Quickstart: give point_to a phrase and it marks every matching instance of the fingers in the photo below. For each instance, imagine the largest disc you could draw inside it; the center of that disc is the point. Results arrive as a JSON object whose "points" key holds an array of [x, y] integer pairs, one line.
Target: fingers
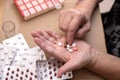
{"points": [[39, 33], [83, 30], [35, 34], [48, 37], [58, 38], [73, 28], [40, 43], [66, 22], [62, 16], [70, 22], [44, 44], [52, 34], [43, 40]]}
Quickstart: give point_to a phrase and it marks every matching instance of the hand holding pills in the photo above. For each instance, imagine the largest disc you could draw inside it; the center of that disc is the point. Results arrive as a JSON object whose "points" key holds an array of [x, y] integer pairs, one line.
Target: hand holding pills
{"points": [[54, 45], [68, 47]]}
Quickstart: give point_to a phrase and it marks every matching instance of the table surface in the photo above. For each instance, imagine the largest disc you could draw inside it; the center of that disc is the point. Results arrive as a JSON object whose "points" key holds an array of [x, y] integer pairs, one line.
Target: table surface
{"points": [[95, 37]]}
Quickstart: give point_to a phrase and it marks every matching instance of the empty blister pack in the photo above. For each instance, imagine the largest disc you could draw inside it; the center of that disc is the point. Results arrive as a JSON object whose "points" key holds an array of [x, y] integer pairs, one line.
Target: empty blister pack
{"points": [[19, 73], [32, 8], [47, 70], [29, 58], [7, 55]]}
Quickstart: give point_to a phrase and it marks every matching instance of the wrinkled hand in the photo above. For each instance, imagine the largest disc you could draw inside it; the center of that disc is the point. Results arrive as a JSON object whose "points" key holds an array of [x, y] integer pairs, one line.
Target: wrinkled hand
{"points": [[48, 42], [74, 22]]}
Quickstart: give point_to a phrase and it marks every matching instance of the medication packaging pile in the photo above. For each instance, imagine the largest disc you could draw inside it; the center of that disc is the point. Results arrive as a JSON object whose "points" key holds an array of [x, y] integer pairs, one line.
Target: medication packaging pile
{"points": [[20, 62], [31, 8]]}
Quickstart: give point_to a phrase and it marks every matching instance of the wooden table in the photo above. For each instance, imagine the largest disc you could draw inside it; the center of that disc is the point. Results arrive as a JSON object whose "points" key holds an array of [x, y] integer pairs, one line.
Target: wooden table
{"points": [[95, 37]]}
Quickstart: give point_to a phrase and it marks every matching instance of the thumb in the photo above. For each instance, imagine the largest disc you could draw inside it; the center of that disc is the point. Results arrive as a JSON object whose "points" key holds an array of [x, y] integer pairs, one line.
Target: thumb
{"points": [[65, 68]]}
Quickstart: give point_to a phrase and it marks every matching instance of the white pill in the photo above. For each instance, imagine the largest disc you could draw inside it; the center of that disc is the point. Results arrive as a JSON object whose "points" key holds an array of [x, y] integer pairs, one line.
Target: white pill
{"points": [[74, 45], [68, 46], [59, 44], [70, 50], [61, 1]]}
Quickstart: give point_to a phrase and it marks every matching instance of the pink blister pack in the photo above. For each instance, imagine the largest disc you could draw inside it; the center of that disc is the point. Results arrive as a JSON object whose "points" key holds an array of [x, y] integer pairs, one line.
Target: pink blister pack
{"points": [[31, 8]]}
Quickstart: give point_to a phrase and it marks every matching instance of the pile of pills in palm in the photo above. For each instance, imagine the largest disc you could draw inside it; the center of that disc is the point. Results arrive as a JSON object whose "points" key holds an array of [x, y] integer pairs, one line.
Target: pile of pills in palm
{"points": [[71, 48]]}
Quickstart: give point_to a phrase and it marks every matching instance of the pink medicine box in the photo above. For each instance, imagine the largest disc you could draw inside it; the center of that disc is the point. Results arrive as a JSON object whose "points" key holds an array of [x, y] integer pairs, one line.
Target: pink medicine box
{"points": [[31, 8]]}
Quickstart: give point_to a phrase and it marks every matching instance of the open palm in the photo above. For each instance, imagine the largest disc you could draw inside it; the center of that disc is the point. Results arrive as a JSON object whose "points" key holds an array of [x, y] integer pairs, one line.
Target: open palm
{"points": [[48, 42]]}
